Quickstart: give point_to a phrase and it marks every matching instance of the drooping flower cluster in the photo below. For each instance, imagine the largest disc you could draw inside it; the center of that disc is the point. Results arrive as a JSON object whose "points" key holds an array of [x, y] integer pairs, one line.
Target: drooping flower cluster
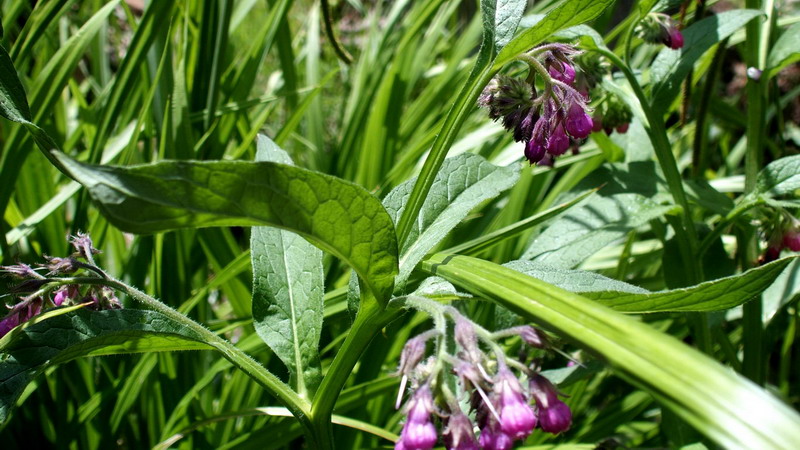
{"points": [[488, 397], [548, 122], [611, 113], [658, 28], [58, 287]]}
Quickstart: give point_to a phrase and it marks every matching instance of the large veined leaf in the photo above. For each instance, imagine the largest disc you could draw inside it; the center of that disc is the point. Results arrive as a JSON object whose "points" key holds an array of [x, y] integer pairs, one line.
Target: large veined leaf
{"points": [[724, 406], [336, 215], [670, 67], [715, 295], [463, 182], [287, 292], [58, 338], [587, 228]]}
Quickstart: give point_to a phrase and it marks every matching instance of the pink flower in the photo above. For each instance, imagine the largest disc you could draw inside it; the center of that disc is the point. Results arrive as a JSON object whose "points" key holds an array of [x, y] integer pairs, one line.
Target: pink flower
{"points": [[458, 435], [673, 38], [517, 419], [554, 415], [418, 433], [579, 124]]}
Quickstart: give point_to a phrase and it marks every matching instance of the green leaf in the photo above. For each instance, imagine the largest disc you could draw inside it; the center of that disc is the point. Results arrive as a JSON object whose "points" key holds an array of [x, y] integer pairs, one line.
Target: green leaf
{"points": [[337, 216], [287, 292], [64, 337], [566, 14], [13, 101], [785, 51], [715, 295], [463, 182], [671, 67], [589, 227], [506, 19], [587, 36], [726, 407], [780, 177]]}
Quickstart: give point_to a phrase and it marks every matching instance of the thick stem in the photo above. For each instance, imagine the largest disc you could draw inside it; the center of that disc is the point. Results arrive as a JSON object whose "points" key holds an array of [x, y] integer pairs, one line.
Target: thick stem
{"points": [[370, 319]]}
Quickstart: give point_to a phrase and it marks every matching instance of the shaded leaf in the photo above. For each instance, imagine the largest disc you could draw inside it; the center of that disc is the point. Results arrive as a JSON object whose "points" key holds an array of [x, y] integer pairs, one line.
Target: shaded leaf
{"points": [[671, 67], [335, 215]]}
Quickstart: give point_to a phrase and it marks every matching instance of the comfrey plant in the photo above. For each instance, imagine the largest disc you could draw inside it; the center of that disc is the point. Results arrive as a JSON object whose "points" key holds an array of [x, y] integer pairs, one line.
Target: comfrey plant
{"points": [[60, 286], [659, 28], [547, 122], [468, 383]]}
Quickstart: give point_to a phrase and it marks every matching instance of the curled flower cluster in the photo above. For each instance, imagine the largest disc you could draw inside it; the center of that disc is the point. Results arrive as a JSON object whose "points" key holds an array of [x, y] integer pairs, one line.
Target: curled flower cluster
{"points": [[502, 410], [550, 122], [658, 28], [611, 113], [37, 292]]}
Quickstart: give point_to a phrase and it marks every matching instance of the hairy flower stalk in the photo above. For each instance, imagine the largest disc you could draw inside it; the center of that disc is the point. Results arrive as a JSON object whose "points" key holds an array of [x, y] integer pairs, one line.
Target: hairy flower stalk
{"points": [[484, 377], [548, 122], [57, 289]]}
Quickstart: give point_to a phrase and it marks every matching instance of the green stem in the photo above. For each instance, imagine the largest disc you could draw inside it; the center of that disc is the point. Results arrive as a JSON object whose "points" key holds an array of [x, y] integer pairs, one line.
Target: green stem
{"points": [[299, 407], [658, 135], [753, 328], [337, 47], [370, 319]]}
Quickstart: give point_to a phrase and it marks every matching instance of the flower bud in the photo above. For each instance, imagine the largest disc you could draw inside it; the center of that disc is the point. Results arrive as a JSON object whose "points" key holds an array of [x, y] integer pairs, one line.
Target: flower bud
{"points": [[459, 435], [554, 415], [418, 433], [558, 142], [791, 240], [579, 124]]}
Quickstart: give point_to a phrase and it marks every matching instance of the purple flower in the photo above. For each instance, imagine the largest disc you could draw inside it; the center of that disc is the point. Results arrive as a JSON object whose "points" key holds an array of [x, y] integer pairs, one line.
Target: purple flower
{"points": [[673, 38], [493, 438], [20, 313], [84, 248], [418, 433], [561, 71], [459, 435], [517, 418], [579, 124], [554, 415], [532, 336], [534, 151], [60, 266], [65, 293], [558, 142], [20, 270], [791, 239]]}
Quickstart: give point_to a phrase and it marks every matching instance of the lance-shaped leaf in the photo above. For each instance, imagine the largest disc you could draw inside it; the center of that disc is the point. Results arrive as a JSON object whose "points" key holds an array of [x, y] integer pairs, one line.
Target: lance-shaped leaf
{"points": [[463, 182], [715, 295], [335, 215], [63, 337], [785, 51], [287, 292], [13, 101], [726, 407], [507, 15]]}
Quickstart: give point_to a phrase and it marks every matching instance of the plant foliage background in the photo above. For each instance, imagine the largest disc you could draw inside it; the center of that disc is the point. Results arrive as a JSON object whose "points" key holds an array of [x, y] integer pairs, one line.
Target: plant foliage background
{"points": [[298, 179]]}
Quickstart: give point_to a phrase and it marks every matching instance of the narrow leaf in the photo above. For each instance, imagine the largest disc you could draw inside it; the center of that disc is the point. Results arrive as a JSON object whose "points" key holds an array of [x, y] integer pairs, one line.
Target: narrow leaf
{"points": [[337, 216], [13, 101], [727, 408], [715, 295], [464, 182], [670, 67], [287, 292], [64, 337]]}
